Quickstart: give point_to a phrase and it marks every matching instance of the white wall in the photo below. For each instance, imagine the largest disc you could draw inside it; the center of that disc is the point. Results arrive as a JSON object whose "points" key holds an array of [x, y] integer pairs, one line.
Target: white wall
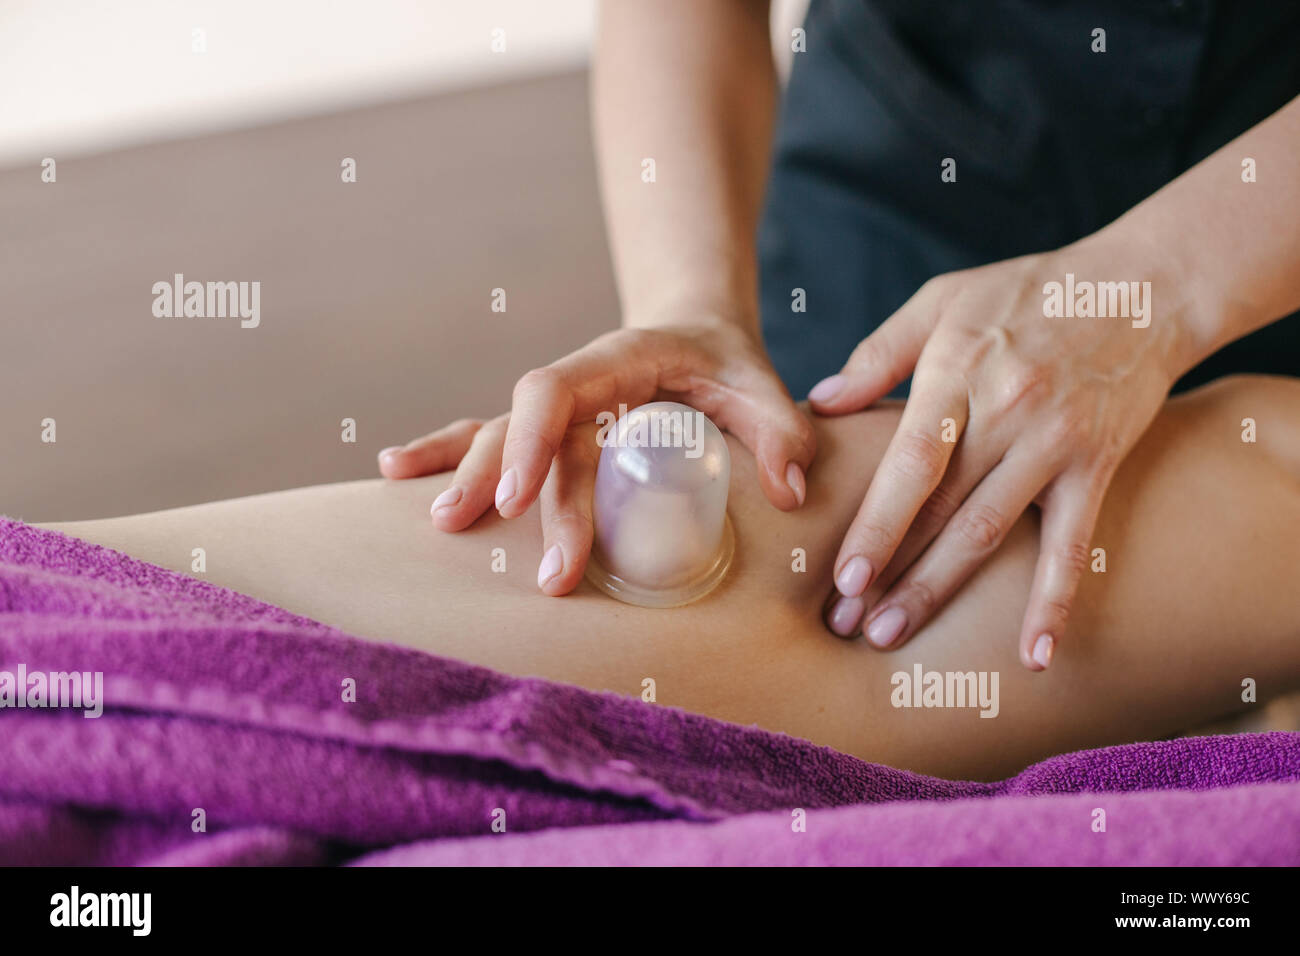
{"points": [[80, 76]]}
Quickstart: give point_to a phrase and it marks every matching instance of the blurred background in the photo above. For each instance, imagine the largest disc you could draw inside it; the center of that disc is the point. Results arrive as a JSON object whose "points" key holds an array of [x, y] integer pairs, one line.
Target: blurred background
{"points": [[206, 138]]}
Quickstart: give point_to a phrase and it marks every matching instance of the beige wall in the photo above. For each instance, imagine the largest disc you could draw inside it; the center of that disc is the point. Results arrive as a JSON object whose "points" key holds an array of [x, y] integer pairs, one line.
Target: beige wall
{"points": [[375, 296], [81, 76], [474, 172]]}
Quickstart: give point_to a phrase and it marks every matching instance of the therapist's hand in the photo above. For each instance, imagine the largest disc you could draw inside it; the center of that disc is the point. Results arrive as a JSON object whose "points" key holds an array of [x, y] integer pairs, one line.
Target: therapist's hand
{"points": [[1042, 411], [508, 462]]}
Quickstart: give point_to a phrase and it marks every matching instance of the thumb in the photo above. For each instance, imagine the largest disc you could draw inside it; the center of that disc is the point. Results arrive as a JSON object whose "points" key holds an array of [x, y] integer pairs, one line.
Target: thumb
{"points": [[881, 361]]}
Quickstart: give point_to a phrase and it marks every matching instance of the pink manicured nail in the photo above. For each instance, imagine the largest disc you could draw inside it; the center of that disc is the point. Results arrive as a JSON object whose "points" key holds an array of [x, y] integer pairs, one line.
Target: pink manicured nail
{"points": [[552, 564], [1043, 650], [794, 478], [855, 576], [884, 630], [448, 498], [389, 452], [506, 489], [827, 389], [845, 615]]}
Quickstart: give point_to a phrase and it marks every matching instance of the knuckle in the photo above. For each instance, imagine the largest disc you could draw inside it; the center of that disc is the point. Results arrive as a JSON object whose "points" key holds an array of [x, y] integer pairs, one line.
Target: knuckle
{"points": [[1023, 384], [920, 598], [1073, 559], [803, 435], [936, 290], [1097, 482], [537, 380], [920, 456], [1056, 607], [872, 538], [869, 353], [1105, 463], [981, 527], [951, 355], [1104, 467], [572, 523], [527, 434], [1070, 431], [941, 505], [492, 431]]}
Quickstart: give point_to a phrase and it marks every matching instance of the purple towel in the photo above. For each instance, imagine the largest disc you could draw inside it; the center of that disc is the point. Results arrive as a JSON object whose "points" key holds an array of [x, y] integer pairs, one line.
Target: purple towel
{"points": [[223, 709]]}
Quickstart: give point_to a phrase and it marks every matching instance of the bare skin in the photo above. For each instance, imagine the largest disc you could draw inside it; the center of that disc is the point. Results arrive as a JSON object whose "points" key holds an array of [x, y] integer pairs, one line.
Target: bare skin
{"points": [[1045, 410], [1199, 593]]}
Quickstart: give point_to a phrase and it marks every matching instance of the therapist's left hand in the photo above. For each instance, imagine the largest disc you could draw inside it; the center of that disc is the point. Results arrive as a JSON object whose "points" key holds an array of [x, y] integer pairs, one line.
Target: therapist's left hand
{"points": [[1007, 408]]}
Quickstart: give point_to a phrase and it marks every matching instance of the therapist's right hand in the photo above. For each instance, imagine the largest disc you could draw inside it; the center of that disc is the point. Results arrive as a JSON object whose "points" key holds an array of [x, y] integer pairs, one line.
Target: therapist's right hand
{"points": [[532, 451]]}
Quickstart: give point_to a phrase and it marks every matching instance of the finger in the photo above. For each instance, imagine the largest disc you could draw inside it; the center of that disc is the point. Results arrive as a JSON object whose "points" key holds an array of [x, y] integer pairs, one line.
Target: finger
{"points": [[759, 411], [574, 389], [976, 531], [973, 458], [434, 453], [566, 500], [881, 361], [1069, 517], [471, 488], [843, 615], [912, 467]]}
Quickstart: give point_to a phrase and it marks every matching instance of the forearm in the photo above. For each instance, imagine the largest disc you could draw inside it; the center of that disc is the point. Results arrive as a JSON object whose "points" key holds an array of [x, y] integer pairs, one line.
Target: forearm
{"points": [[692, 87], [1231, 246]]}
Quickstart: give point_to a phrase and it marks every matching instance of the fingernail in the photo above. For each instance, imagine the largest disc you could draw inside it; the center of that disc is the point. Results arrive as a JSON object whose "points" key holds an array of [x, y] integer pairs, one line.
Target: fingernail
{"points": [[448, 498], [552, 564], [854, 577], [1043, 650], [845, 615], [794, 478], [506, 489], [389, 452], [884, 630], [827, 389]]}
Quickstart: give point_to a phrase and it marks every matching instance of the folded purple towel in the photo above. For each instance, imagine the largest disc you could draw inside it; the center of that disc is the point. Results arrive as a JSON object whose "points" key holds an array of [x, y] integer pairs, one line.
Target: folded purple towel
{"points": [[216, 702], [1256, 825]]}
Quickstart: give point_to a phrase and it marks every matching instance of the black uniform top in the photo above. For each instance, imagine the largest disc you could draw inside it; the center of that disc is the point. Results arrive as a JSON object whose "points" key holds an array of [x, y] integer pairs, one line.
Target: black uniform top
{"points": [[1051, 141]]}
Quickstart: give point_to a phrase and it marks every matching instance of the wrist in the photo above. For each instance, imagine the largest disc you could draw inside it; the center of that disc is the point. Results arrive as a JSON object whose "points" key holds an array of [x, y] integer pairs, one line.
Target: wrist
{"points": [[1184, 316], [729, 313]]}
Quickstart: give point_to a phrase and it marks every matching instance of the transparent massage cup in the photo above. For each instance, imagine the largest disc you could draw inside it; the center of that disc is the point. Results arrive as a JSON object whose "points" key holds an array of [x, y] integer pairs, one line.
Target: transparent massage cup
{"points": [[662, 534]]}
